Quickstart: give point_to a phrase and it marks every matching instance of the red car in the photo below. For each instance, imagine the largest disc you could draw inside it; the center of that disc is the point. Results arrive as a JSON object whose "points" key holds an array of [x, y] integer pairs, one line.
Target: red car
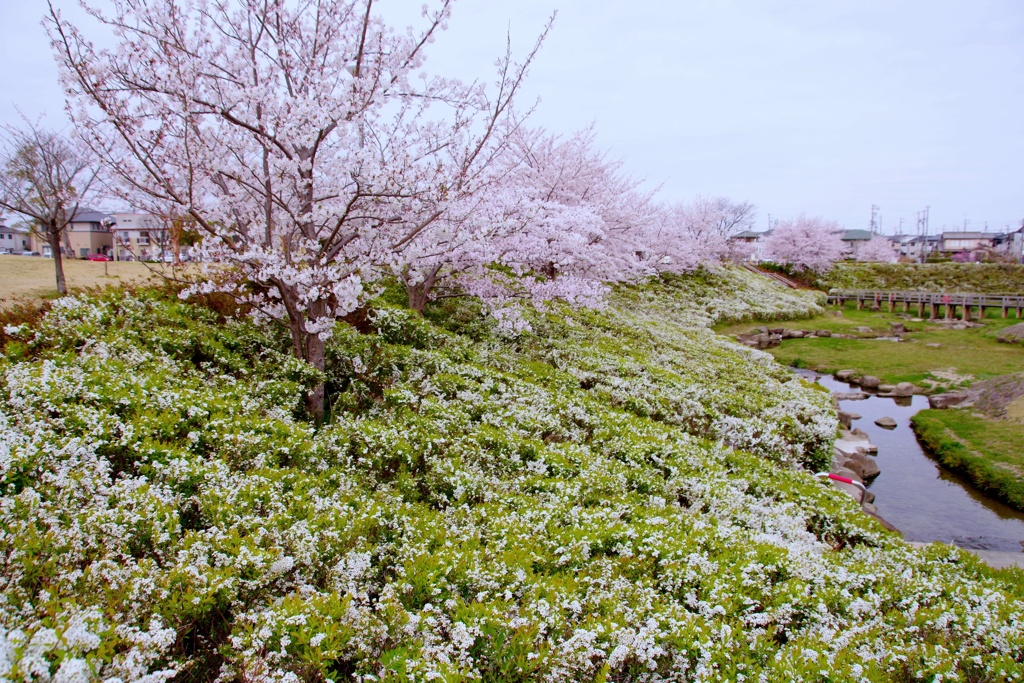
{"points": [[99, 257]]}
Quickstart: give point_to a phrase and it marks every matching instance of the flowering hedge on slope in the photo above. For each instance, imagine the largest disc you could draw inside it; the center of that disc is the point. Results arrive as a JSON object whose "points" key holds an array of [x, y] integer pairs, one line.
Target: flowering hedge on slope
{"points": [[616, 496]]}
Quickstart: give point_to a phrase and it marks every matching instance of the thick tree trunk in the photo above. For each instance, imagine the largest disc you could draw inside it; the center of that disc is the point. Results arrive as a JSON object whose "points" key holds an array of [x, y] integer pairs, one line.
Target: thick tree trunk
{"points": [[305, 346], [419, 293], [53, 237], [315, 355]]}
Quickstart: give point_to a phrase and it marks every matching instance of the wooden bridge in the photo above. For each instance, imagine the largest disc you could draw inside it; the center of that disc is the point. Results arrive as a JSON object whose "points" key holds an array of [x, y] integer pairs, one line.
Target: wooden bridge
{"points": [[932, 302]]}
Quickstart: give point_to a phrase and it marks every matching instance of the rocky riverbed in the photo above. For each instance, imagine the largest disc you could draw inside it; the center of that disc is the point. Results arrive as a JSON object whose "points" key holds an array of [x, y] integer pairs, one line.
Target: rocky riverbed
{"points": [[906, 488]]}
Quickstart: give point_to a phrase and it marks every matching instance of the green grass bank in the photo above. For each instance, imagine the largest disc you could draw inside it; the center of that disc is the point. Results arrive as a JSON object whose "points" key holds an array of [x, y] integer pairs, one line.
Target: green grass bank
{"points": [[988, 451], [933, 355], [973, 278]]}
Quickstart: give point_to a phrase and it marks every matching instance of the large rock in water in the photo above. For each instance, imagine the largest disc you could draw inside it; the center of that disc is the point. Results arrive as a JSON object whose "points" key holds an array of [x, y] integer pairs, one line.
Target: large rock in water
{"points": [[1014, 334], [869, 382], [905, 389], [886, 422]]}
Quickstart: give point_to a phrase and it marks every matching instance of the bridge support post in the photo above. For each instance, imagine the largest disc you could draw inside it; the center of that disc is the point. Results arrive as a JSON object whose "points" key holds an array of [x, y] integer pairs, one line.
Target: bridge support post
{"points": [[920, 309], [967, 310]]}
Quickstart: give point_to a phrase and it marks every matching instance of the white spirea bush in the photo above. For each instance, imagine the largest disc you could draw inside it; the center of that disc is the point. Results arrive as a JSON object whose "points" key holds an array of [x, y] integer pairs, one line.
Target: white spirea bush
{"points": [[618, 495]]}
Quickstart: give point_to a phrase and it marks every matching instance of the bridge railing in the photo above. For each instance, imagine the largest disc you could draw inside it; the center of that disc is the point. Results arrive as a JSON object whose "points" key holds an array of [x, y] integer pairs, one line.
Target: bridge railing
{"points": [[947, 302]]}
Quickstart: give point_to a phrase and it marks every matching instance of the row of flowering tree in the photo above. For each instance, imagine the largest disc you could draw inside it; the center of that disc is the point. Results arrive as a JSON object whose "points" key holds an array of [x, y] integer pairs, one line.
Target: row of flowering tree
{"points": [[814, 244], [315, 154]]}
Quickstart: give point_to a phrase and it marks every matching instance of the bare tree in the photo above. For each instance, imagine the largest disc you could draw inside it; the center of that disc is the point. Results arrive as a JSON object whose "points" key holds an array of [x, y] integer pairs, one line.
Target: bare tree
{"points": [[44, 178]]}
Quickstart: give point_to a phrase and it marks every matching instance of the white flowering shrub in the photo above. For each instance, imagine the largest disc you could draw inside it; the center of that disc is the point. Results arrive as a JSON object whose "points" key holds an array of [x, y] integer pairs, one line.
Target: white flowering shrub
{"points": [[616, 496]]}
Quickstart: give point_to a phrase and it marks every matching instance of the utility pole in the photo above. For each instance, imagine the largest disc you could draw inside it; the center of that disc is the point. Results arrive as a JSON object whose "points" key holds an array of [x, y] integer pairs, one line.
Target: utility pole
{"points": [[922, 230]]}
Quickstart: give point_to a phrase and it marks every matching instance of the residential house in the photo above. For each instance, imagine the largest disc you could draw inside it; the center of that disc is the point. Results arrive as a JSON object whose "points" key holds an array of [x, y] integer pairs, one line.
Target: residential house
{"points": [[88, 233], [752, 243], [965, 243], [13, 240], [902, 244], [853, 239], [140, 236], [1010, 245], [919, 248]]}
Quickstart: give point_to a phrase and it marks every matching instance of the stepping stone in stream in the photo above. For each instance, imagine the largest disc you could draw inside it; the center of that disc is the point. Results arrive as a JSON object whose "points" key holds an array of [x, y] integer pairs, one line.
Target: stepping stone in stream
{"points": [[886, 423]]}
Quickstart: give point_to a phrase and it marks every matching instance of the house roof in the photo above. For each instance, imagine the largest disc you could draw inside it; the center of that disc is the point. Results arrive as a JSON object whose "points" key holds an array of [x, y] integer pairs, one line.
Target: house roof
{"points": [[855, 235], [967, 235], [747, 235], [91, 216]]}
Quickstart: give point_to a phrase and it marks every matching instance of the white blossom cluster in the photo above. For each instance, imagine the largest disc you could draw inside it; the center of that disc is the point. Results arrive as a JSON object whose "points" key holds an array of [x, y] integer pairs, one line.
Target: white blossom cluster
{"points": [[616, 496]]}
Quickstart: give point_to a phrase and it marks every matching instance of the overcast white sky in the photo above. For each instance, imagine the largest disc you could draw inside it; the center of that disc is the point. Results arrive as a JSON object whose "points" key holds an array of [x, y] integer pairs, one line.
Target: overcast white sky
{"points": [[817, 106]]}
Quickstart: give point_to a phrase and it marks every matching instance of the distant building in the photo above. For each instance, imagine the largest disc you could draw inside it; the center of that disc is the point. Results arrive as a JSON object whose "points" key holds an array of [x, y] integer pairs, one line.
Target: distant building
{"points": [[920, 247], [902, 243], [88, 233], [965, 242], [13, 240], [853, 239], [1010, 245], [140, 236], [753, 243]]}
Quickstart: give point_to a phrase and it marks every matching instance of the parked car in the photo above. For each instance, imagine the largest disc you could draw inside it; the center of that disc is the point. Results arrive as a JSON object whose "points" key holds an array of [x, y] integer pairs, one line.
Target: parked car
{"points": [[99, 257], [29, 253], [4, 250]]}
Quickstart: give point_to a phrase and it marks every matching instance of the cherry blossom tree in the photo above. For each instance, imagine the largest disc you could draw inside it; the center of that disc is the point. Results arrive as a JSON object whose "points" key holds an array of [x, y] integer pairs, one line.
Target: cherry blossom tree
{"points": [[560, 221], [806, 243], [878, 249], [584, 218], [303, 140], [45, 178]]}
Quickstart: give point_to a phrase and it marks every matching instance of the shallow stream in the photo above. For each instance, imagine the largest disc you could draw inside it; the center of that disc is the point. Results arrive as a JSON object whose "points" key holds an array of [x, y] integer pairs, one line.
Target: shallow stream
{"points": [[916, 494]]}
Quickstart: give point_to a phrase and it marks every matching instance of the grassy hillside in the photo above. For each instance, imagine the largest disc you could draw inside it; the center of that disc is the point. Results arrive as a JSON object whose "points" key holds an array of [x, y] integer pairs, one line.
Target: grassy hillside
{"points": [[615, 496], [974, 278]]}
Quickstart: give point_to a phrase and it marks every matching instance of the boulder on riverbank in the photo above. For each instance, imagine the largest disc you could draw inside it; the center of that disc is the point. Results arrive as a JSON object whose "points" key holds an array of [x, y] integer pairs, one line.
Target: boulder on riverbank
{"points": [[992, 396], [1014, 334], [948, 400]]}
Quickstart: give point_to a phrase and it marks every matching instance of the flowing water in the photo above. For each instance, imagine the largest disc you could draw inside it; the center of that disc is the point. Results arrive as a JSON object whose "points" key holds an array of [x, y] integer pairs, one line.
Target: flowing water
{"points": [[916, 494]]}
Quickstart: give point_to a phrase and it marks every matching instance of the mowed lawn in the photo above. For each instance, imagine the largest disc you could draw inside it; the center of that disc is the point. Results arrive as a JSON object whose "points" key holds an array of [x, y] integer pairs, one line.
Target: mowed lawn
{"points": [[931, 355], [34, 278]]}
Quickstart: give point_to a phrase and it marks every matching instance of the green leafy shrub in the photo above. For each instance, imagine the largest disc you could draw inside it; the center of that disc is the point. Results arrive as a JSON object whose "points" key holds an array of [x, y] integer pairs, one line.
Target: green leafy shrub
{"points": [[618, 495]]}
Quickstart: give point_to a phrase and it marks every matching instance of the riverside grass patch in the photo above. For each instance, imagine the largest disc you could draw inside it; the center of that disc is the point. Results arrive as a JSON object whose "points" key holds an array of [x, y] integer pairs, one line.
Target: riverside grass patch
{"points": [[985, 449], [929, 355], [615, 496]]}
